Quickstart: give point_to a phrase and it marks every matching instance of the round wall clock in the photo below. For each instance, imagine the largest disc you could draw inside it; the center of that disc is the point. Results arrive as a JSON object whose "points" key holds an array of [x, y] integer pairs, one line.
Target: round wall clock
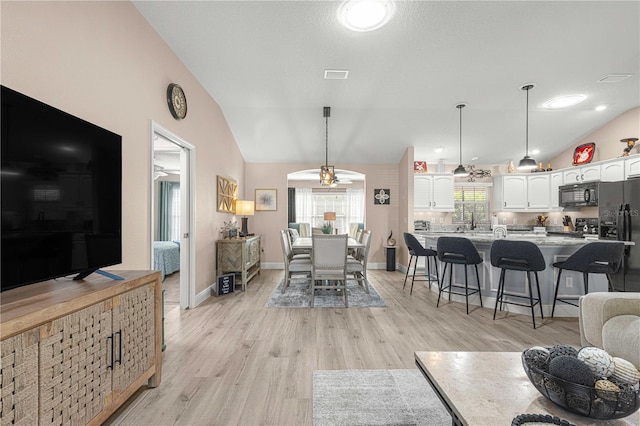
{"points": [[177, 101]]}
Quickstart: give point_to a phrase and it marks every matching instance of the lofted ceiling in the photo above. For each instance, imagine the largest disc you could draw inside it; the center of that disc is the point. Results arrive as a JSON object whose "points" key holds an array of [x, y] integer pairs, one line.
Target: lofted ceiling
{"points": [[264, 61]]}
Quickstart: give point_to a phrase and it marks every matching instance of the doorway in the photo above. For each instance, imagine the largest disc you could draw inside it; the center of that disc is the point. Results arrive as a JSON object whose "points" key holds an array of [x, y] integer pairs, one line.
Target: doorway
{"points": [[172, 209]]}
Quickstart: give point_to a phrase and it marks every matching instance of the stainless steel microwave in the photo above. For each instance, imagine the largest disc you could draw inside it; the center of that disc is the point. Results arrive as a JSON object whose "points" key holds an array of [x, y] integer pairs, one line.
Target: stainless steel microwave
{"points": [[579, 194]]}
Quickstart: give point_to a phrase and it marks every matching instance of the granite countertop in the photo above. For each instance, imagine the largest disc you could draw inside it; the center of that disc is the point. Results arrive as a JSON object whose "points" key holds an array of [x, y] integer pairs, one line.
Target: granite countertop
{"points": [[487, 237]]}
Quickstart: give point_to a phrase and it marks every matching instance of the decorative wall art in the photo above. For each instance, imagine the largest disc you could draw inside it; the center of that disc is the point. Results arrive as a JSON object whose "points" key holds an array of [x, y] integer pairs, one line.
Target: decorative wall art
{"points": [[583, 154], [419, 167], [266, 199], [227, 194], [381, 196]]}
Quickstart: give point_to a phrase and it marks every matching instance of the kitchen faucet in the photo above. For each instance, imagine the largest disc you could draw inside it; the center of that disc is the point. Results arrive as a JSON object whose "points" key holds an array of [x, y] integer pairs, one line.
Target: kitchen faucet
{"points": [[473, 224]]}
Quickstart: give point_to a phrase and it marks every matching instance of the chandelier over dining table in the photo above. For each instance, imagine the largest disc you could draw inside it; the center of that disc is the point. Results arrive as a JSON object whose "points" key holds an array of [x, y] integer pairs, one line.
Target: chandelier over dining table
{"points": [[327, 172]]}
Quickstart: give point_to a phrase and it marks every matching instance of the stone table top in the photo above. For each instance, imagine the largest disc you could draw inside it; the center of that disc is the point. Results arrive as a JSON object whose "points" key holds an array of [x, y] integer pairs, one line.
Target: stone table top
{"points": [[492, 388], [541, 239]]}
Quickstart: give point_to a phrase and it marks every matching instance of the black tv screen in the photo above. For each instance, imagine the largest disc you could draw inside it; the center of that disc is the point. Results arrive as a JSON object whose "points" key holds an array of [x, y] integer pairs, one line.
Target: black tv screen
{"points": [[61, 183]]}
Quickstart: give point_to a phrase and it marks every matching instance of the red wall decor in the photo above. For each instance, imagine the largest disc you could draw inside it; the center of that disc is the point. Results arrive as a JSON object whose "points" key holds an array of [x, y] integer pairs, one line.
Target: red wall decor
{"points": [[419, 167], [583, 154]]}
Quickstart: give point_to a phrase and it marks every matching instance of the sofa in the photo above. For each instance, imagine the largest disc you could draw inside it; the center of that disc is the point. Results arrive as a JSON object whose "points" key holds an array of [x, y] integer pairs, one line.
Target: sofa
{"points": [[611, 321]]}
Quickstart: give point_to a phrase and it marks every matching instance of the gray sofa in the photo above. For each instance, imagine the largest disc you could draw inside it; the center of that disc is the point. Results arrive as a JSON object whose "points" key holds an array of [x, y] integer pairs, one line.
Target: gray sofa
{"points": [[611, 321]]}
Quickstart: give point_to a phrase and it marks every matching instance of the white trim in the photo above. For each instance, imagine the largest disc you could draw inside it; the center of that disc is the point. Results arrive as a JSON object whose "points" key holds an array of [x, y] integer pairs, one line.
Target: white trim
{"points": [[485, 184]]}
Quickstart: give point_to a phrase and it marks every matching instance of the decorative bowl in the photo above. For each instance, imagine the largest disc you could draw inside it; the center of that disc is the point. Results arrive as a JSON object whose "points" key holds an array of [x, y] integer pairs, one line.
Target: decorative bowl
{"points": [[584, 400]]}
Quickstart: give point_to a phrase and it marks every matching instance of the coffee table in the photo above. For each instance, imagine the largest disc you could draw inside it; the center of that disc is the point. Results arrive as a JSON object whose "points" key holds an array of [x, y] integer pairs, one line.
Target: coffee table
{"points": [[491, 388]]}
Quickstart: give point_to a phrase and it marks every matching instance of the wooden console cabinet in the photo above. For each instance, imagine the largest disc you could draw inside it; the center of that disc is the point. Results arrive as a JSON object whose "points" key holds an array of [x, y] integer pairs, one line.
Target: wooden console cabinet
{"points": [[72, 352], [240, 256]]}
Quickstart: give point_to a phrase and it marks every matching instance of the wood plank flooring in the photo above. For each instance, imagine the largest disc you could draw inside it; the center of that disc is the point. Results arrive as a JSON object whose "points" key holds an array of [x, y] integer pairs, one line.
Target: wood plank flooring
{"points": [[233, 361]]}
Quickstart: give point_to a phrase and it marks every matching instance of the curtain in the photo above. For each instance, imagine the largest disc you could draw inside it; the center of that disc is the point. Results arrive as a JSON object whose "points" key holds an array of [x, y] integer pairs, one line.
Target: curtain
{"points": [[304, 205], [291, 212], [355, 205], [169, 211]]}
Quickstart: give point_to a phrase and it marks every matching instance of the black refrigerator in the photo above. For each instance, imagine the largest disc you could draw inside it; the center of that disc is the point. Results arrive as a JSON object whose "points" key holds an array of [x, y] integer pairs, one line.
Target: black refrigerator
{"points": [[619, 215]]}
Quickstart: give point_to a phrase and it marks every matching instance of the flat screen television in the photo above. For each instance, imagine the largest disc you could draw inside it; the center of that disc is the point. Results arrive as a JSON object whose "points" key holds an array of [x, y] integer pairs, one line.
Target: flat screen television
{"points": [[61, 183]]}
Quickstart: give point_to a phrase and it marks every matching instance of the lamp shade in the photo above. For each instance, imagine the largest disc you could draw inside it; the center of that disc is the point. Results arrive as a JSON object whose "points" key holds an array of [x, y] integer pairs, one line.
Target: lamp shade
{"points": [[244, 208], [329, 215]]}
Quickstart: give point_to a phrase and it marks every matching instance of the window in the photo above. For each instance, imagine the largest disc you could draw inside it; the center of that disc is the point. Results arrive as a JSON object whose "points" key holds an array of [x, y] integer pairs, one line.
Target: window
{"points": [[471, 201], [348, 206]]}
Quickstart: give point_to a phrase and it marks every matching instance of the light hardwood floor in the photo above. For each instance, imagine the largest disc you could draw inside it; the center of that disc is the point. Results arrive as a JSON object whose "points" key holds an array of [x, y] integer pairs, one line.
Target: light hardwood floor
{"points": [[233, 361]]}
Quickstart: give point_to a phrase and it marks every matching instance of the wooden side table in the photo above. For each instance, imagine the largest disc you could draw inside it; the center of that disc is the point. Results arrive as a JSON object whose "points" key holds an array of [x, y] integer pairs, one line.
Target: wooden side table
{"points": [[240, 256]]}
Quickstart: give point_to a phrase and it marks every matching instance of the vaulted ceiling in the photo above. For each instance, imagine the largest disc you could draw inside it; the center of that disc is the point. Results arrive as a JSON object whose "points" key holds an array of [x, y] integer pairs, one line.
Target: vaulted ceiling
{"points": [[264, 61]]}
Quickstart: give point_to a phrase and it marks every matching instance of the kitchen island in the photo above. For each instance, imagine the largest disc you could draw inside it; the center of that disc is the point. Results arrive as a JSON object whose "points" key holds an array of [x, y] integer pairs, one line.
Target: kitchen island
{"points": [[553, 248]]}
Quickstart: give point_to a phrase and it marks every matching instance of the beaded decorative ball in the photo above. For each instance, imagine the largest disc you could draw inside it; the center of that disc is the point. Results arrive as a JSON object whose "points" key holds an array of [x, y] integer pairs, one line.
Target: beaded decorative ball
{"points": [[599, 401]]}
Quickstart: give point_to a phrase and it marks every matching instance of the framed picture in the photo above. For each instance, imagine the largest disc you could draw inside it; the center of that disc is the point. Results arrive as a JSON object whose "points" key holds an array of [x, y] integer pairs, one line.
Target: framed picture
{"points": [[227, 194], [266, 199], [419, 167], [381, 196]]}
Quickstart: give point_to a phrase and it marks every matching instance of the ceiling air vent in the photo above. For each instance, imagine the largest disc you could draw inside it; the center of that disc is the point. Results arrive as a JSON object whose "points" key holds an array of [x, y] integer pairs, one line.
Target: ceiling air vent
{"points": [[614, 78], [336, 74]]}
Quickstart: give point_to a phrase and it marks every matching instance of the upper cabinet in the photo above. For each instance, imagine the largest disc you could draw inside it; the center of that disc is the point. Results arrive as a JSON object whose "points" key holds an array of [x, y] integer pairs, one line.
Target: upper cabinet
{"points": [[632, 166], [556, 181], [582, 174], [433, 192], [612, 171], [521, 192]]}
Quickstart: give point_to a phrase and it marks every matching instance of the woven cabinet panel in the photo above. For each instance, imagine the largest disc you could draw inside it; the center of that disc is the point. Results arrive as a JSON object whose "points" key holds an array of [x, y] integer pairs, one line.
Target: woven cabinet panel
{"points": [[74, 379], [19, 379], [230, 256], [134, 317]]}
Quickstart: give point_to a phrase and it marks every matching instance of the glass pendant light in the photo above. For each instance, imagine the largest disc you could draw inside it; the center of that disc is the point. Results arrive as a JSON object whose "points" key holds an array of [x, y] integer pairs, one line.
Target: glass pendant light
{"points": [[460, 171], [527, 163]]}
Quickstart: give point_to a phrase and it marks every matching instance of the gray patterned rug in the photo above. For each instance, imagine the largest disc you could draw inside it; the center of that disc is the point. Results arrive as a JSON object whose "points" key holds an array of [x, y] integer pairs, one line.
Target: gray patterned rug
{"points": [[375, 397], [298, 295]]}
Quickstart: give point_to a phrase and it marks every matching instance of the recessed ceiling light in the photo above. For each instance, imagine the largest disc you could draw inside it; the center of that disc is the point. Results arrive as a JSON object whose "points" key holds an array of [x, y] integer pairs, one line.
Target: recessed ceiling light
{"points": [[365, 15], [564, 101], [474, 158], [438, 149], [600, 108], [535, 151]]}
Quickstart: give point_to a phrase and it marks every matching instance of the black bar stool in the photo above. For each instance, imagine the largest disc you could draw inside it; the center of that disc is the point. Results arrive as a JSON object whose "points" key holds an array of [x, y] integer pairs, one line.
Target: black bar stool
{"points": [[416, 250], [517, 256], [593, 258], [461, 251]]}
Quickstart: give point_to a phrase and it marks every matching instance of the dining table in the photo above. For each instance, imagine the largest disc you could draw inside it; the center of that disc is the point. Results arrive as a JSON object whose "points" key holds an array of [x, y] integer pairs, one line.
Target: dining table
{"points": [[302, 243]]}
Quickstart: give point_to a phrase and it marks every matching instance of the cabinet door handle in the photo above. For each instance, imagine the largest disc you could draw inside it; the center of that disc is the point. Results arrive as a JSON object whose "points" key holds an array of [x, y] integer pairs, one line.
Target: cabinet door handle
{"points": [[429, 203], [110, 365], [434, 204], [528, 204], [119, 334], [505, 204], [581, 177]]}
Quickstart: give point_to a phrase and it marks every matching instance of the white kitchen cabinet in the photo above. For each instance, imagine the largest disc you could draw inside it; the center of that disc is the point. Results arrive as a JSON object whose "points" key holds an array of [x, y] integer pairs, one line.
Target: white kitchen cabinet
{"points": [[582, 174], [538, 191], [510, 192], [555, 179], [632, 166], [522, 192], [612, 171], [433, 192]]}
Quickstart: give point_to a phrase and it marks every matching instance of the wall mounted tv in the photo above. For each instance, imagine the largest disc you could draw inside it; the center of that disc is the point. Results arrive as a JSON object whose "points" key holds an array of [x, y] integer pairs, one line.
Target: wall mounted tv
{"points": [[61, 183]]}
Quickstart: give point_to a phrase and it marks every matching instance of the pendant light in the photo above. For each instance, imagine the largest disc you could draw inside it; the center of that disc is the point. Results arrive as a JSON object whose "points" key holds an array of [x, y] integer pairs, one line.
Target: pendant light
{"points": [[460, 171], [527, 163], [327, 172]]}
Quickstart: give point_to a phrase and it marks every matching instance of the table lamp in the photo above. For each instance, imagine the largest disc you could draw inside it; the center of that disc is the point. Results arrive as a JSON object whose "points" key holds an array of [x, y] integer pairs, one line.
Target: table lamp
{"points": [[330, 217], [244, 208]]}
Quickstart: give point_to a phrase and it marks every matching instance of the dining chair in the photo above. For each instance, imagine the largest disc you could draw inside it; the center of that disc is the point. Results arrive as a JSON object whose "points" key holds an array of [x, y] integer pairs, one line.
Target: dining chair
{"points": [[292, 265], [357, 264], [329, 264]]}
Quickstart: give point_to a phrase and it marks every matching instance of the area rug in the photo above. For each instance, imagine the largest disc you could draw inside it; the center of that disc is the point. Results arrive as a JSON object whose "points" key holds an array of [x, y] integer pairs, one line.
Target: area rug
{"points": [[375, 397], [298, 295]]}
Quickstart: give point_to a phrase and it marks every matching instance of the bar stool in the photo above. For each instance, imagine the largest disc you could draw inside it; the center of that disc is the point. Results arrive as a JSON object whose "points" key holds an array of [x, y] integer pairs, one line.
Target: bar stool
{"points": [[593, 258], [517, 256], [416, 250], [460, 251]]}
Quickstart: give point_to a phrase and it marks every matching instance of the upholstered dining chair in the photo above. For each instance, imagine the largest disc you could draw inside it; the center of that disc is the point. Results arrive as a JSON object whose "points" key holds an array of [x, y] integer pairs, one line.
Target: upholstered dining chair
{"points": [[329, 264], [357, 264], [292, 264]]}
